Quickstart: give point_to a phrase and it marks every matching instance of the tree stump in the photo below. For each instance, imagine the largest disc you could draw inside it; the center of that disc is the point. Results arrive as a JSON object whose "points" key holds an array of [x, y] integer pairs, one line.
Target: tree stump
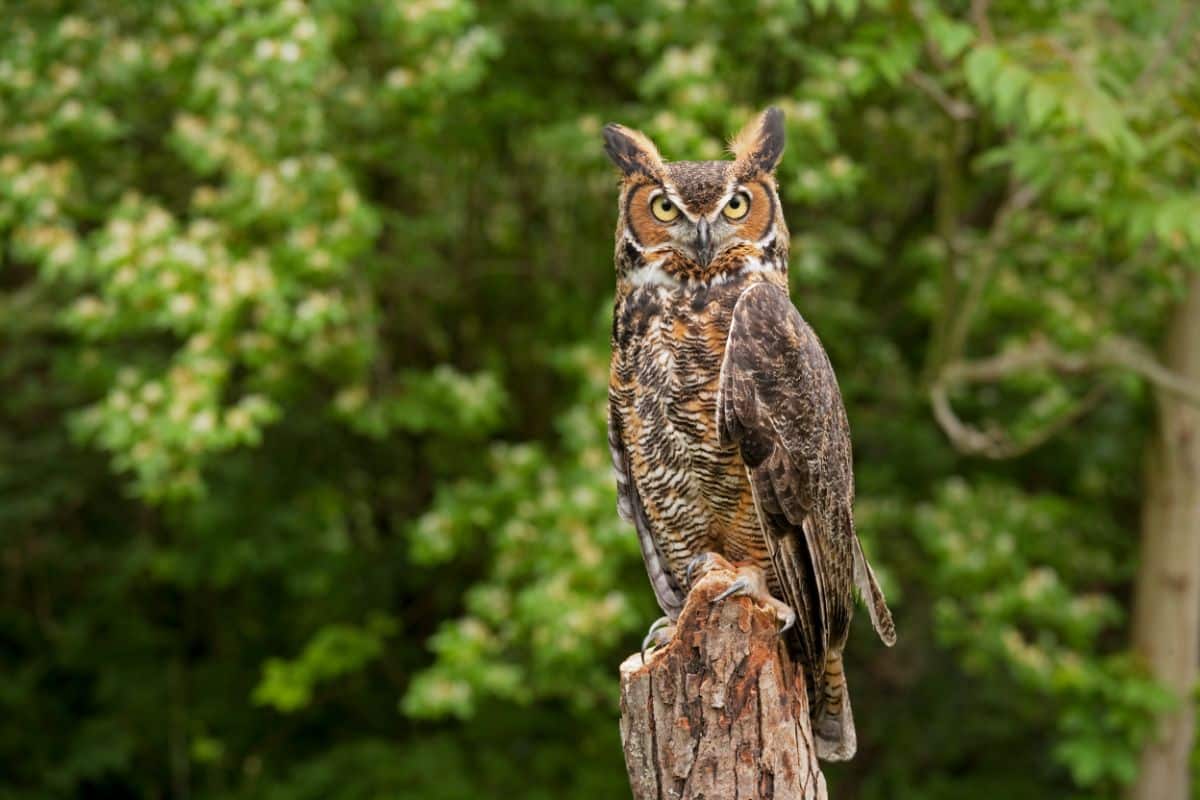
{"points": [[719, 712]]}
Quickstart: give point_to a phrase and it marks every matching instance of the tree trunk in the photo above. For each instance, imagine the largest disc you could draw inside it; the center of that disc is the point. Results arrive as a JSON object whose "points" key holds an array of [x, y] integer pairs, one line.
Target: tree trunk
{"points": [[1166, 622], [719, 712]]}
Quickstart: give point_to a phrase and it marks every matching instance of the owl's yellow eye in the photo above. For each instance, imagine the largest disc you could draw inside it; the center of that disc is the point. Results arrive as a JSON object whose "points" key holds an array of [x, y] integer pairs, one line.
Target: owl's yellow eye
{"points": [[738, 206], [663, 209]]}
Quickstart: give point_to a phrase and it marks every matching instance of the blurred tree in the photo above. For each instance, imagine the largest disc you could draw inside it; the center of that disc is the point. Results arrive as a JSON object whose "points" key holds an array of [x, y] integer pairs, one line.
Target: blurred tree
{"points": [[303, 482], [1167, 604], [1125, 110]]}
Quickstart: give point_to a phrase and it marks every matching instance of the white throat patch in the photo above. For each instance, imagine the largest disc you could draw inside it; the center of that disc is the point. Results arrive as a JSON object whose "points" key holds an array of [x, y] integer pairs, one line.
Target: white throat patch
{"points": [[652, 274]]}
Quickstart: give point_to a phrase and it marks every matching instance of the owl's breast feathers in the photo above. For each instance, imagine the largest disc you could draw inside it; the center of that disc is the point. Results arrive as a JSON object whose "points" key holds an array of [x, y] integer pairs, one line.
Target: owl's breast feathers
{"points": [[685, 491]]}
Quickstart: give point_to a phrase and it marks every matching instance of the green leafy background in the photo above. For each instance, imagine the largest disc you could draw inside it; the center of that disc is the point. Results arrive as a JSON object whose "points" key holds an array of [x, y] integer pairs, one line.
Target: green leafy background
{"points": [[304, 490]]}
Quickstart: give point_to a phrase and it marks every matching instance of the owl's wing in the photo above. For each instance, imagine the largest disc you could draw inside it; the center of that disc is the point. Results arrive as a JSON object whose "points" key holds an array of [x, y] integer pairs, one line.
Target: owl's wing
{"points": [[779, 401], [629, 506]]}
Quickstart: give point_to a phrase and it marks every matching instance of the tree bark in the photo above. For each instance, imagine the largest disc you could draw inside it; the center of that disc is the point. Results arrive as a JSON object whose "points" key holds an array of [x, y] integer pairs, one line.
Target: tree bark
{"points": [[1166, 622], [719, 712]]}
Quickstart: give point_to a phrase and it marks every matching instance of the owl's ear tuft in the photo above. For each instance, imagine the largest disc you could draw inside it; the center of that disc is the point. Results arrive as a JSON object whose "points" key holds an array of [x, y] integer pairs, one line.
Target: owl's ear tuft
{"points": [[632, 151], [759, 146]]}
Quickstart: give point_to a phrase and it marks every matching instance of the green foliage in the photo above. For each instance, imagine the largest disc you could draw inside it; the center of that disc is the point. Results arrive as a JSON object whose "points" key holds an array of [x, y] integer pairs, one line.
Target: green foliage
{"points": [[555, 590], [304, 489], [334, 651], [1000, 556]]}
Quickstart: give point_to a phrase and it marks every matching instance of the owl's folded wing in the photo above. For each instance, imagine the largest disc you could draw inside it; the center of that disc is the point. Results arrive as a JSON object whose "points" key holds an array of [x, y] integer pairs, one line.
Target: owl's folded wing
{"points": [[779, 401]]}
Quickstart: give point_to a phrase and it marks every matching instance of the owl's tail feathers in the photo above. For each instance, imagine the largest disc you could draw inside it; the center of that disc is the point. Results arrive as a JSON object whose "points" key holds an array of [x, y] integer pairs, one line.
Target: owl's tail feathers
{"points": [[872, 597], [833, 724]]}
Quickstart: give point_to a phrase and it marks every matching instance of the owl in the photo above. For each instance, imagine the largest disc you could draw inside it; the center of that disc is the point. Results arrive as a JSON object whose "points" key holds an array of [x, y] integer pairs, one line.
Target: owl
{"points": [[726, 424]]}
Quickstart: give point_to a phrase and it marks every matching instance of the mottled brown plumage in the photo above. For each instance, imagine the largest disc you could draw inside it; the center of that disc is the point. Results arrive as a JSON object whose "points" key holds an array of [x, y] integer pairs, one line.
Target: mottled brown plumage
{"points": [[726, 425]]}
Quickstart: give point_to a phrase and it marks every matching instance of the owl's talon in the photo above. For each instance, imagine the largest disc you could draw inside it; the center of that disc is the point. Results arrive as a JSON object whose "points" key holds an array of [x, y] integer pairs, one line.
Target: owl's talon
{"points": [[693, 565], [661, 631], [738, 587], [751, 581]]}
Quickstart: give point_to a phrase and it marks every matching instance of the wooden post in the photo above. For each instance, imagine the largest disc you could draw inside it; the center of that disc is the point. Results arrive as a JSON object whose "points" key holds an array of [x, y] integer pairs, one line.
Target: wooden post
{"points": [[719, 713]]}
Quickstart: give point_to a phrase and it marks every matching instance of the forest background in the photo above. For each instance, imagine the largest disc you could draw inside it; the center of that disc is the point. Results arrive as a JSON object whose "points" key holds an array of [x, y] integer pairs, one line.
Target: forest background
{"points": [[304, 308]]}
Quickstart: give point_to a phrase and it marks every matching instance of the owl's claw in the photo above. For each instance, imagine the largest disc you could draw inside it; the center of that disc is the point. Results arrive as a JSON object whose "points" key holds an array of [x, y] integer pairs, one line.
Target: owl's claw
{"points": [[661, 631], [752, 582], [693, 565], [739, 587], [789, 620]]}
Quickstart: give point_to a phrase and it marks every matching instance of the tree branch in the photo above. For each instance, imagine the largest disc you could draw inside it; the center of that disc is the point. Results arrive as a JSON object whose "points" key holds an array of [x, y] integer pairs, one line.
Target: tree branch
{"points": [[959, 323], [995, 443], [979, 16], [1130, 355], [954, 108], [1116, 352]]}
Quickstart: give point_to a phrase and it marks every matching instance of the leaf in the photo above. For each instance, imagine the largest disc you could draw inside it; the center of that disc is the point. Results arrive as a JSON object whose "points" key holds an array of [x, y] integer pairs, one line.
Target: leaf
{"points": [[1008, 91], [951, 36], [980, 68], [1040, 103]]}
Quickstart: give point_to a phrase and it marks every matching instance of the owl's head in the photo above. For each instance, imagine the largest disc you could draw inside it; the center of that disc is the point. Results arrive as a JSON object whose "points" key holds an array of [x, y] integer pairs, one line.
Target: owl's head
{"points": [[699, 221]]}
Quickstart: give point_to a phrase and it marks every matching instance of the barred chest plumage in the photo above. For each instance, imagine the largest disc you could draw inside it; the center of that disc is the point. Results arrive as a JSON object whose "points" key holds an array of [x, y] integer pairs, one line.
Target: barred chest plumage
{"points": [[668, 345]]}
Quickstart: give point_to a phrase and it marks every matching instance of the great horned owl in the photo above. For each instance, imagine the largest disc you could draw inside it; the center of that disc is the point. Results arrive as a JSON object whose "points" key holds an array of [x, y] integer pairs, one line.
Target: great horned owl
{"points": [[726, 425]]}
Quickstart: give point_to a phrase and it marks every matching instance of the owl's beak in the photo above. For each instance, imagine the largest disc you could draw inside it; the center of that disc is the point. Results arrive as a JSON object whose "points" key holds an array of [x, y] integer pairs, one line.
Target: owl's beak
{"points": [[704, 242]]}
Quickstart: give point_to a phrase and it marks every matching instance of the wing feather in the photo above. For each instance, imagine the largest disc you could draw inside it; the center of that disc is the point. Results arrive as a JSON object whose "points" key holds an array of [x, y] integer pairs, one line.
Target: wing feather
{"points": [[779, 401]]}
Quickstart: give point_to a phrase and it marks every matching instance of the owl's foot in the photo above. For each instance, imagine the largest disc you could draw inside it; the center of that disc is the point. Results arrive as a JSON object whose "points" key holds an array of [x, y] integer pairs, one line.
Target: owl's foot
{"points": [[661, 631], [751, 581], [699, 566]]}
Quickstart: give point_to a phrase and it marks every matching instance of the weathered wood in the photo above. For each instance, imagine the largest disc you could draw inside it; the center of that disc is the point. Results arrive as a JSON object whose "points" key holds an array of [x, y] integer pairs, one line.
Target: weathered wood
{"points": [[719, 713]]}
